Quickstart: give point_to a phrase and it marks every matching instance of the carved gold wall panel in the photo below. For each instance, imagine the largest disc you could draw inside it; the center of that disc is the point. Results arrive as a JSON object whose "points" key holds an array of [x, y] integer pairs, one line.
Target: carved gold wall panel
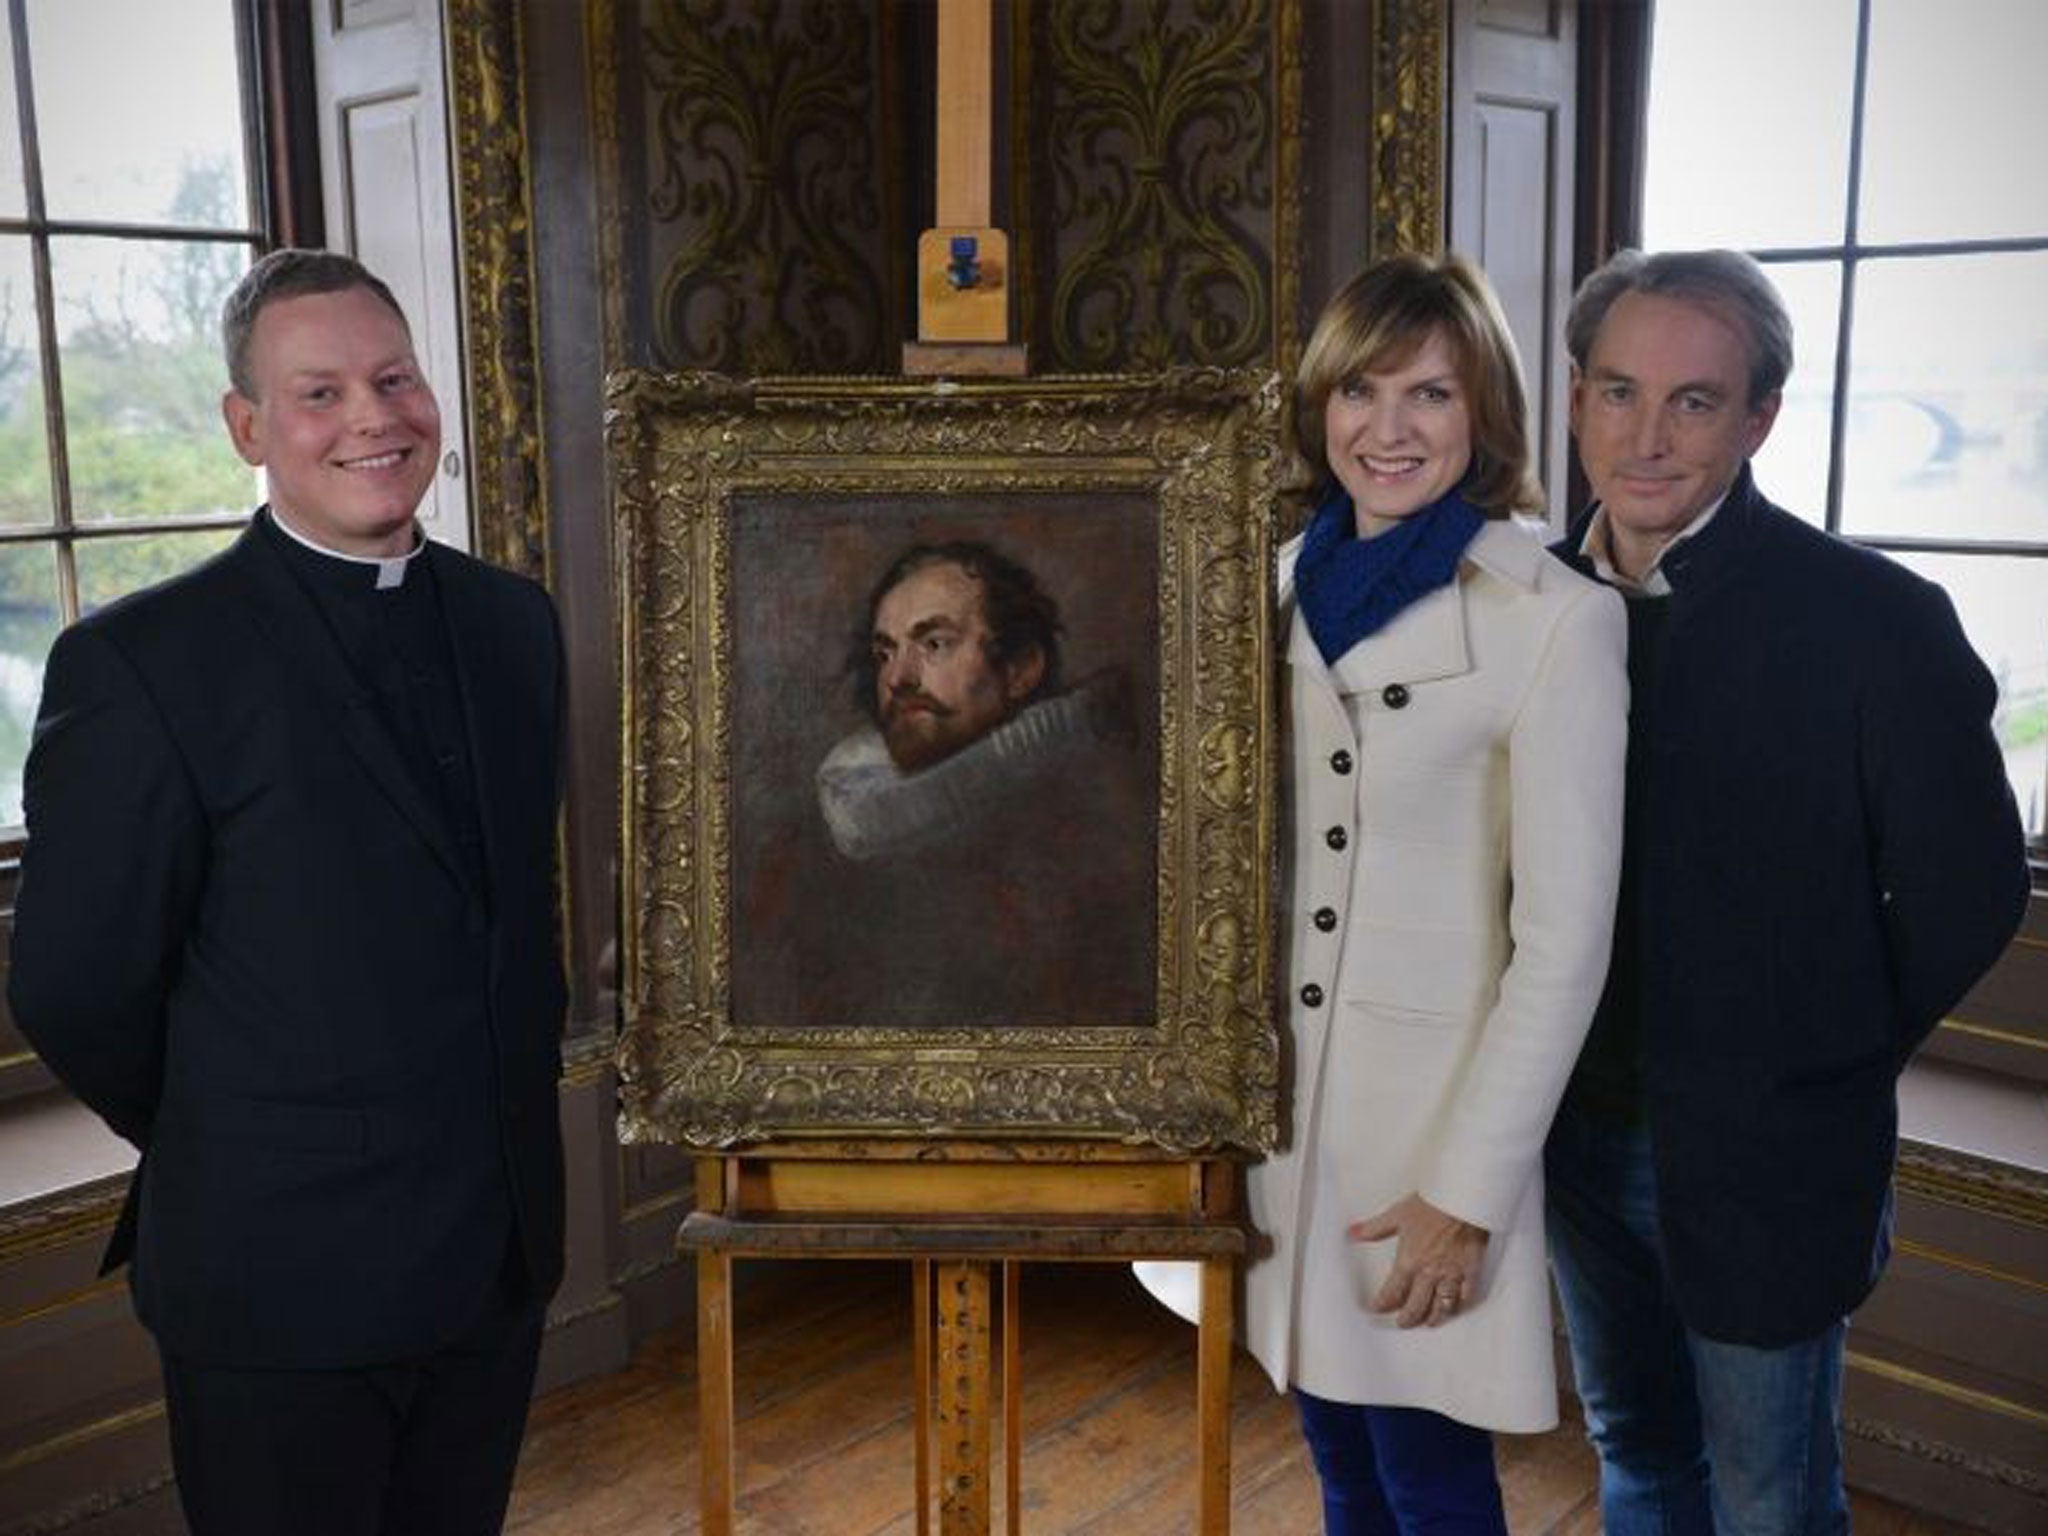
{"points": [[1152, 139], [767, 186]]}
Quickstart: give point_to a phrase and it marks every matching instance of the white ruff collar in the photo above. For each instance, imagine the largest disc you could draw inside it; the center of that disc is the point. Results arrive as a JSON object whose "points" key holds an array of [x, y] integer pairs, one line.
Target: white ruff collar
{"points": [[873, 808]]}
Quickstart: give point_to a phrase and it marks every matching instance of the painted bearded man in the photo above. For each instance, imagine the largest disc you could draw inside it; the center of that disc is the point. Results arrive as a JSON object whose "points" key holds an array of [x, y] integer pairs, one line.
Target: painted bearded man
{"points": [[958, 669], [995, 821]]}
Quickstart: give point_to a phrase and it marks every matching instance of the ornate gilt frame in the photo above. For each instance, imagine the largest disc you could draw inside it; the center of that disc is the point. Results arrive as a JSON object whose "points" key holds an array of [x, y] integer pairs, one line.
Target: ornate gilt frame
{"points": [[1411, 48], [1203, 445], [494, 228]]}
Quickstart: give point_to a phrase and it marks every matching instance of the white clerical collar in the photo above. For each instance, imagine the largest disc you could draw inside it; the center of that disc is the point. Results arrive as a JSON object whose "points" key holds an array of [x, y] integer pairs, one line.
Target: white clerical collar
{"points": [[1597, 547], [390, 569]]}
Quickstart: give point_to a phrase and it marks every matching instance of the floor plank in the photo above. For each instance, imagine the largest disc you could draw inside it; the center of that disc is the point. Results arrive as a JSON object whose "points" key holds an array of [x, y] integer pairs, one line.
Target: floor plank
{"points": [[822, 1362]]}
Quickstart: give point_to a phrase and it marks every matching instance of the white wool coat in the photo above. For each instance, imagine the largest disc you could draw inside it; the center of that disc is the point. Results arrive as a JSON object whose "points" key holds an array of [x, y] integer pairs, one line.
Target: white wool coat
{"points": [[1455, 798]]}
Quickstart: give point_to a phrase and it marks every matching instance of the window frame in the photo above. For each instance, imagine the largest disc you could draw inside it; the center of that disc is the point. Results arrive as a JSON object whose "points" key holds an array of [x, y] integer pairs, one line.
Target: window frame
{"points": [[1621, 59], [280, 170]]}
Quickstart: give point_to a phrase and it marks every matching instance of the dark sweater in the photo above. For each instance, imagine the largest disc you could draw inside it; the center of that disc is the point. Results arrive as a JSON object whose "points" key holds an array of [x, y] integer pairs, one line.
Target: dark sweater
{"points": [[1608, 1081]]}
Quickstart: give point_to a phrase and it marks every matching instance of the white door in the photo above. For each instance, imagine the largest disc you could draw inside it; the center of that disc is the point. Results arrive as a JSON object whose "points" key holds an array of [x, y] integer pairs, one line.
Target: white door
{"points": [[385, 181]]}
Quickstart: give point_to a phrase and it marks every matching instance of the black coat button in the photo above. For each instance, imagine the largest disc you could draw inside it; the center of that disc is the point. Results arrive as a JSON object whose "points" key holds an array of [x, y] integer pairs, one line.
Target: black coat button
{"points": [[1325, 918], [1340, 760], [1336, 838], [1312, 995], [1395, 695]]}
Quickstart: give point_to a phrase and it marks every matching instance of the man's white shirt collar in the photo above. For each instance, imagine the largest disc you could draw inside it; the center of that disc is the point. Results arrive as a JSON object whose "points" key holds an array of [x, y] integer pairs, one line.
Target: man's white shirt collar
{"points": [[1597, 547], [390, 570]]}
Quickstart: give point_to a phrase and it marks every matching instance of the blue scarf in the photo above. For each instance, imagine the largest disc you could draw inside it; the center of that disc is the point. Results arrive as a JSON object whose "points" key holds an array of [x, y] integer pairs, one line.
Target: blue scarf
{"points": [[1350, 587]]}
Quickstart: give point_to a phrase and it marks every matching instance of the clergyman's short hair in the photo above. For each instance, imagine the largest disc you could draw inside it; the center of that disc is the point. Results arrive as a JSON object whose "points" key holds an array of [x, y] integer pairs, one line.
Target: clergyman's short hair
{"points": [[1727, 284], [1386, 314], [288, 274], [1020, 614]]}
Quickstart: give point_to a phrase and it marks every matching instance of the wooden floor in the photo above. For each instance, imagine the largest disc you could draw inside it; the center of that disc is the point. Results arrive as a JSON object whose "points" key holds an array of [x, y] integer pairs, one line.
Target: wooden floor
{"points": [[823, 1362]]}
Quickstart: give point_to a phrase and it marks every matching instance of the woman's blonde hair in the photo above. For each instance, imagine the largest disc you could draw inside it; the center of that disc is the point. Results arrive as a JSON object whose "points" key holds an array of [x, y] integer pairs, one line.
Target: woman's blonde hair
{"points": [[1381, 319]]}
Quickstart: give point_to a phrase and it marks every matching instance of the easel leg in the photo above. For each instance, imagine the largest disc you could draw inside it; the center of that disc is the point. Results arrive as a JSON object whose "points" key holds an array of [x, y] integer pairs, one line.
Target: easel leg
{"points": [[714, 1390], [921, 1354], [963, 1397], [1212, 1390], [1013, 1404]]}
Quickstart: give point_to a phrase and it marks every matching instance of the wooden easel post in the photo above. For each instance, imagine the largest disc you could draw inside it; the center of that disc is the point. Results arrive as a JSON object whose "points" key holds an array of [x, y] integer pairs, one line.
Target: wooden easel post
{"points": [[963, 261], [956, 1209]]}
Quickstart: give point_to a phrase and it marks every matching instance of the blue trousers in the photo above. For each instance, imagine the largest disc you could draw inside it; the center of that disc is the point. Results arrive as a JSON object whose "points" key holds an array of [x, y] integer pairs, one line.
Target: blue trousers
{"points": [[1400, 1471], [1697, 1436]]}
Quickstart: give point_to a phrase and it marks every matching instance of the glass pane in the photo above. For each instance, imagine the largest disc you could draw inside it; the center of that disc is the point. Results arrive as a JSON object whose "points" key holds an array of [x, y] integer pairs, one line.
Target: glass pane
{"points": [[24, 449], [1953, 121], [2003, 603], [28, 623], [1948, 399], [1748, 146], [138, 337], [13, 190], [111, 568], [1792, 465], [146, 131]]}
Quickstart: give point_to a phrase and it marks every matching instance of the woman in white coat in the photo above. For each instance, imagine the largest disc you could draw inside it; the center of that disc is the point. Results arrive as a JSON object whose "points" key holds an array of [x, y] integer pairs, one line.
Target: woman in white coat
{"points": [[1457, 703]]}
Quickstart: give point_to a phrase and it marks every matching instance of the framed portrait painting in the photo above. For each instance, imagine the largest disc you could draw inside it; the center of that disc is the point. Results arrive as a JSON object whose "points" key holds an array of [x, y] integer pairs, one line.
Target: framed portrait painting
{"points": [[949, 757]]}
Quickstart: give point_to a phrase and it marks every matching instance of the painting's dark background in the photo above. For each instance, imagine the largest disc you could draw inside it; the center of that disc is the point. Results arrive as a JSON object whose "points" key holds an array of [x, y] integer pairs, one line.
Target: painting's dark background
{"points": [[818, 939]]}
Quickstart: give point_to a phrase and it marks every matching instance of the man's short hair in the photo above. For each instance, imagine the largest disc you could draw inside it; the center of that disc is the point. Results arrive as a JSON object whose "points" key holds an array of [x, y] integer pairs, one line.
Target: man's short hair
{"points": [[288, 274], [1727, 284], [1021, 615], [1385, 315]]}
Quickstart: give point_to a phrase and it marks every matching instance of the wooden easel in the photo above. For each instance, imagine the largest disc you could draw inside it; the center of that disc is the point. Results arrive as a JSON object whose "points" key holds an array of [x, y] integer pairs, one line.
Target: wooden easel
{"points": [[956, 1210]]}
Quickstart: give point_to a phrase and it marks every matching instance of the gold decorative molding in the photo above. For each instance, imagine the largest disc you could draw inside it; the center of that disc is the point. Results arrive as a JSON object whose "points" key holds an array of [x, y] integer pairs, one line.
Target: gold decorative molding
{"points": [[1906, 1247], [607, 147], [765, 169], [73, 1215], [607, 1301], [1202, 446], [95, 1507], [1974, 1183], [1288, 318], [1410, 69], [64, 1301], [1953, 1391], [1992, 1469], [494, 228], [81, 1434], [1993, 1034], [1159, 137], [596, 1048]]}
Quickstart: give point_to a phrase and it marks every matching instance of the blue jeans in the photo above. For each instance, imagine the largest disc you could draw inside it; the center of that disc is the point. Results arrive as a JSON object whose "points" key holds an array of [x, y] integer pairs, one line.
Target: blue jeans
{"points": [[1400, 1471], [1696, 1437]]}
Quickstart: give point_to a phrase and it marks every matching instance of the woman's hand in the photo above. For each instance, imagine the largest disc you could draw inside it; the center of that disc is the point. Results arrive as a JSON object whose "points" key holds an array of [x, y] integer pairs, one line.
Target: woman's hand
{"points": [[1436, 1261]]}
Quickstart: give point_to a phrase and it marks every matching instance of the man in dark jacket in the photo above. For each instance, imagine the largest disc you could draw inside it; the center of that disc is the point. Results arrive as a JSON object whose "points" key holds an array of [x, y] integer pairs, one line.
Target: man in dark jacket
{"points": [[286, 921], [1822, 855]]}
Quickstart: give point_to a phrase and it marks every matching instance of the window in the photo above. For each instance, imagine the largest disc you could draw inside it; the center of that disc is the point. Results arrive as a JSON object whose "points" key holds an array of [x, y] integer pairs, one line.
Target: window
{"points": [[1878, 156], [129, 205]]}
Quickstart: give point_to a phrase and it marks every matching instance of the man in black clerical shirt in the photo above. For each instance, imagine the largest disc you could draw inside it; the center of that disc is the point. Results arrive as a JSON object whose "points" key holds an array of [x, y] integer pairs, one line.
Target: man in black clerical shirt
{"points": [[286, 921]]}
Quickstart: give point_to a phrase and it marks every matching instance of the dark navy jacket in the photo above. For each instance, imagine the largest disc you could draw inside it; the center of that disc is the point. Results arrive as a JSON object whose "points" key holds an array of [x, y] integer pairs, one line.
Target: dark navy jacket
{"points": [[246, 938], [1830, 857]]}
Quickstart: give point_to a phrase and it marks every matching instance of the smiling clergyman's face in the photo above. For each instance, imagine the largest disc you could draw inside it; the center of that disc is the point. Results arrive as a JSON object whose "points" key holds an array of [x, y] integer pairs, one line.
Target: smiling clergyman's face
{"points": [[342, 420], [936, 690]]}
